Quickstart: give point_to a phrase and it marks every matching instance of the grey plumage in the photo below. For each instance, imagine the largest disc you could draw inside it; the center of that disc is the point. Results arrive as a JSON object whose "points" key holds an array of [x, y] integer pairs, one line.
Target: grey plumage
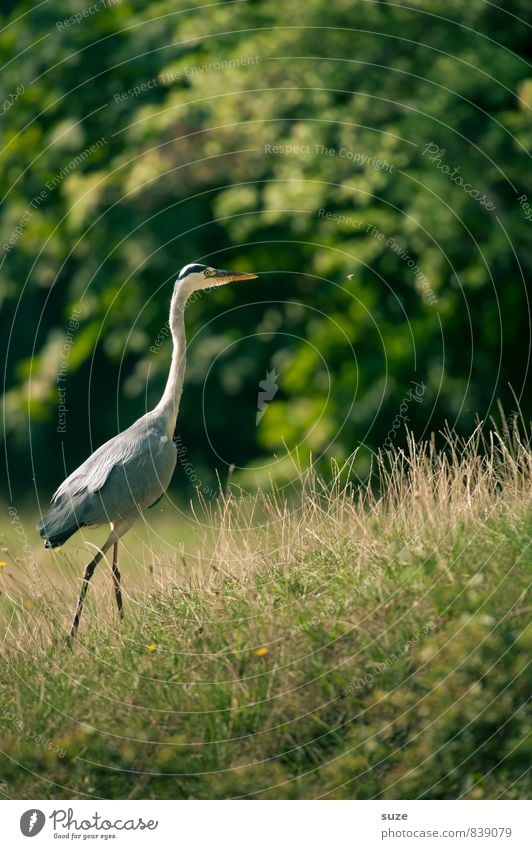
{"points": [[126, 474], [131, 471]]}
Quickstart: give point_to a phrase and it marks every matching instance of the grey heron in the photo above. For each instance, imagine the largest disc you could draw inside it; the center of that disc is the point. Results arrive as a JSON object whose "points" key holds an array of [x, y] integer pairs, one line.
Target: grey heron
{"points": [[133, 469]]}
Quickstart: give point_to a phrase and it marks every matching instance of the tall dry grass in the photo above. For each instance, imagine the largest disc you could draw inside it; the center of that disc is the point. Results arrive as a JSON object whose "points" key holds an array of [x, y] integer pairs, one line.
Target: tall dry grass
{"points": [[329, 638], [420, 495]]}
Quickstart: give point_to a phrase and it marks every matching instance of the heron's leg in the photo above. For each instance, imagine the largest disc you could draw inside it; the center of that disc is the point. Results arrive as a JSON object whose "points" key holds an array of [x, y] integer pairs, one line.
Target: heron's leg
{"points": [[87, 575], [118, 529], [116, 582]]}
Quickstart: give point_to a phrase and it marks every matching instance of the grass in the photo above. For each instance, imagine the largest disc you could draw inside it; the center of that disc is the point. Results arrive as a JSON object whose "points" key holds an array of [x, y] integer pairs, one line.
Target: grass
{"points": [[346, 642]]}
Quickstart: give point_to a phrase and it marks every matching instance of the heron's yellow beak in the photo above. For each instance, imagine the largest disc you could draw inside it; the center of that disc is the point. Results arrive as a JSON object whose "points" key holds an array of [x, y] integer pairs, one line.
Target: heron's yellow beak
{"points": [[222, 276]]}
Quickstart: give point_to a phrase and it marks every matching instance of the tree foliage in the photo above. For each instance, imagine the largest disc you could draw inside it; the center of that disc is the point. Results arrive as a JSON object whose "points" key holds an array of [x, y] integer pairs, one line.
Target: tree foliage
{"points": [[370, 160]]}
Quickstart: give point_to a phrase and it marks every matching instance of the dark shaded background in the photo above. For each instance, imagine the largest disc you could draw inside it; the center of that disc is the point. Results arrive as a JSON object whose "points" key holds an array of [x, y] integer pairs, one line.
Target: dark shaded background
{"points": [[184, 170]]}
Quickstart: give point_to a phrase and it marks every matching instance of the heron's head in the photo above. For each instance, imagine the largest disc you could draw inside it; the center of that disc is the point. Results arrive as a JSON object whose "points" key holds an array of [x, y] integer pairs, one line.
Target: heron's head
{"points": [[196, 276]]}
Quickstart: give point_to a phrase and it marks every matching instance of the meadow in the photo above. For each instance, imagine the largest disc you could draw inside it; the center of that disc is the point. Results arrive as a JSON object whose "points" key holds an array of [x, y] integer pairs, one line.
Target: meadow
{"points": [[330, 640]]}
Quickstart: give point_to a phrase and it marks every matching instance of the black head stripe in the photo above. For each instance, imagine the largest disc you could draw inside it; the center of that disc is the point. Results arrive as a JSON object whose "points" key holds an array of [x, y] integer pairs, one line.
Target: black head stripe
{"points": [[193, 268]]}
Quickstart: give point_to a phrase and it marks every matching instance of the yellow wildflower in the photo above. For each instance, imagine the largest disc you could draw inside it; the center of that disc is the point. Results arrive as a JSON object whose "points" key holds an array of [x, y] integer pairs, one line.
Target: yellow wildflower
{"points": [[262, 651], [153, 647], [2, 564]]}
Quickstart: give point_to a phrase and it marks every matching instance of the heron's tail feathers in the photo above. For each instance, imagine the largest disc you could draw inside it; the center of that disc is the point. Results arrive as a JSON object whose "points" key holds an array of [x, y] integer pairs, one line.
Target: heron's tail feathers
{"points": [[58, 525]]}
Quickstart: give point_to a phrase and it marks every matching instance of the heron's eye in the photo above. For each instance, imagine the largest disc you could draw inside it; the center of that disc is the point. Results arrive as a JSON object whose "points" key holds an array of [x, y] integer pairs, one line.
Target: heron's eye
{"points": [[209, 272]]}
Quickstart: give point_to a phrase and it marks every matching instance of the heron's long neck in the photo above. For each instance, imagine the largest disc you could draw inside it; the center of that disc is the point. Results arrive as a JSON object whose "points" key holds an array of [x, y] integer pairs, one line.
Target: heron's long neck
{"points": [[168, 406]]}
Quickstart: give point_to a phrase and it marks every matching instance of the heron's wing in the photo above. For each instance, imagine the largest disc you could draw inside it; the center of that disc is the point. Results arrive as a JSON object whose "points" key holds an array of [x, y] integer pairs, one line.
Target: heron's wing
{"points": [[132, 469], [131, 485], [127, 473], [93, 473]]}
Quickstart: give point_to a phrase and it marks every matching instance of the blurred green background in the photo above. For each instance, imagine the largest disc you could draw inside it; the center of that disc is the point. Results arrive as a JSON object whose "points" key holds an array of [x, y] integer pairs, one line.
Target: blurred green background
{"points": [[320, 144]]}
